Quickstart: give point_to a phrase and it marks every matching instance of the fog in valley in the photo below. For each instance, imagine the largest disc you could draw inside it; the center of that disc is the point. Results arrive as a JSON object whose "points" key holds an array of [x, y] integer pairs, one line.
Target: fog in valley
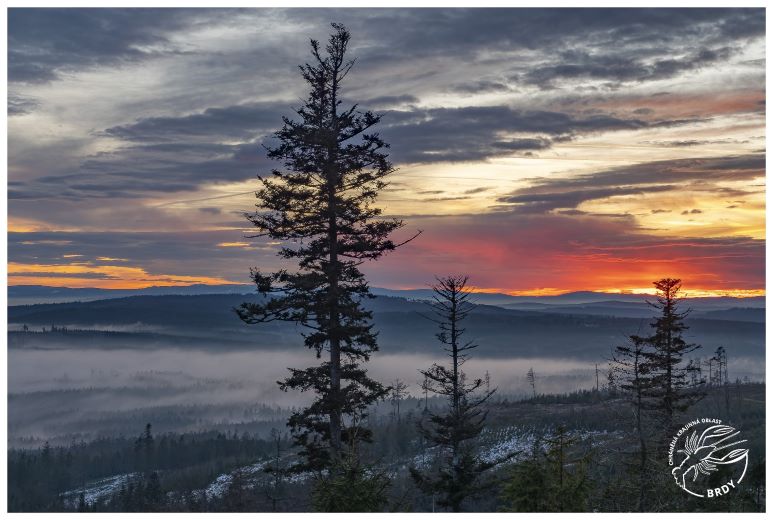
{"points": [[64, 395], [84, 370]]}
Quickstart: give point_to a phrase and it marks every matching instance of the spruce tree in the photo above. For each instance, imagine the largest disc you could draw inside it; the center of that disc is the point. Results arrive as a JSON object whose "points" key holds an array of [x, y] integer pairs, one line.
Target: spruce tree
{"points": [[632, 376], [652, 374], [320, 206], [397, 392], [554, 479], [532, 379], [670, 386], [356, 488], [454, 430]]}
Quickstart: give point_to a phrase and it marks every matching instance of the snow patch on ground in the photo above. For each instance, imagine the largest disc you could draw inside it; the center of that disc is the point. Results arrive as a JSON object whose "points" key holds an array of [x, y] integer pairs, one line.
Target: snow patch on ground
{"points": [[220, 485], [497, 445], [98, 490]]}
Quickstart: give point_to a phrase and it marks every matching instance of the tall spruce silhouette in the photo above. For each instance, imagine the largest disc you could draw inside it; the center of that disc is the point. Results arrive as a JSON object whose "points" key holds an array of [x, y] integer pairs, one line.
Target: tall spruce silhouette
{"points": [[320, 205], [669, 387], [455, 429]]}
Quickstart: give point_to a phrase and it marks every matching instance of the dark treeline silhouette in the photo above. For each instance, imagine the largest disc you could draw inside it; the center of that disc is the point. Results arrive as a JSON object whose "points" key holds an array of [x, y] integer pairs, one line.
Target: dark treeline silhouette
{"points": [[207, 322], [192, 459]]}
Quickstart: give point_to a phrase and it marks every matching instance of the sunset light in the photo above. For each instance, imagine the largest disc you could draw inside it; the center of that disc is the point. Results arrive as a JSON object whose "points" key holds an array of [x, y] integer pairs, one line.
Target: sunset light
{"points": [[536, 180]]}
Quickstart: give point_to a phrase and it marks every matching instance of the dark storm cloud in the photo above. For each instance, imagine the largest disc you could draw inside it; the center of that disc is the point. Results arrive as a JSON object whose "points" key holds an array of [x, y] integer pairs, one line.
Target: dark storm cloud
{"points": [[479, 133], [468, 31], [546, 195], [619, 68], [167, 154], [627, 44], [42, 43], [546, 202], [138, 170], [49, 246], [218, 123]]}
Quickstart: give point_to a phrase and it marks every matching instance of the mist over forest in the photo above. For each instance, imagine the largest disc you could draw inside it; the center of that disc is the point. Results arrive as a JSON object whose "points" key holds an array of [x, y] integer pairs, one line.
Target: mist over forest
{"points": [[83, 370]]}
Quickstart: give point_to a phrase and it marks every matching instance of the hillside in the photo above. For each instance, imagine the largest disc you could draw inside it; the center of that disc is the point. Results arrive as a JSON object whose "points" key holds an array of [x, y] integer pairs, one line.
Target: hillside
{"points": [[208, 321]]}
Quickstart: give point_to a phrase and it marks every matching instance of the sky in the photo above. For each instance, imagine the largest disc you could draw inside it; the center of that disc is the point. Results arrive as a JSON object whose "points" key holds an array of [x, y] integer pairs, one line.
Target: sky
{"points": [[538, 151]]}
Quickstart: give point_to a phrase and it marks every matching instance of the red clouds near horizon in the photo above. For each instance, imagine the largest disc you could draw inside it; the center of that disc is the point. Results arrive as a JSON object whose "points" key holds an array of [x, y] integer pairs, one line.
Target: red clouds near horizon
{"points": [[552, 253]]}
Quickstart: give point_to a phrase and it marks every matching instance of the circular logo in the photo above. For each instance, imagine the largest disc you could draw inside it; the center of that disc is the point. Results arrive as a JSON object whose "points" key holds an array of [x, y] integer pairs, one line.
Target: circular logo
{"points": [[700, 449]]}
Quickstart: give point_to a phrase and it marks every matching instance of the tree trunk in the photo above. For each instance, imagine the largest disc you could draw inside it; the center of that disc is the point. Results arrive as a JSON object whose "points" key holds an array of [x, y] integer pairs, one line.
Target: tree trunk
{"points": [[335, 345]]}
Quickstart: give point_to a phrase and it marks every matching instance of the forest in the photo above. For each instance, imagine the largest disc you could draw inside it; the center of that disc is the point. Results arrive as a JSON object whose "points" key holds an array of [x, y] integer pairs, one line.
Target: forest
{"points": [[226, 470]]}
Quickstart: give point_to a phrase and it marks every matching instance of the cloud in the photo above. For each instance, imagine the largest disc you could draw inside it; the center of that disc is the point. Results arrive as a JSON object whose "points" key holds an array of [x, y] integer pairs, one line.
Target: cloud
{"points": [[694, 142], [382, 102], [481, 87], [546, 202], [45, 43], [135, 171], [214, 125], [503, 250], [547, 194], [20, 105], [184, 141], [217, 254], [92, 153], [479, 133], [620, 68], [224, 144], [103, 276], [475, 191], [468, 31], [574, 252]]}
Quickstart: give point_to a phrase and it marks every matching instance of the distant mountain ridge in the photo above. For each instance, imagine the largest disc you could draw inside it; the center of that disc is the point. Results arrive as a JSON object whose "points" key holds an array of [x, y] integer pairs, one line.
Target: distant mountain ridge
{"points": [[208, 321], [32, 294]]}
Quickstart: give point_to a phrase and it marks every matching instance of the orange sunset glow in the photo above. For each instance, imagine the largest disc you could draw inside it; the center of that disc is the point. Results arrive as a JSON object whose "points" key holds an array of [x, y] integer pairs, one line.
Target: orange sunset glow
{"points": [[99, 276]]}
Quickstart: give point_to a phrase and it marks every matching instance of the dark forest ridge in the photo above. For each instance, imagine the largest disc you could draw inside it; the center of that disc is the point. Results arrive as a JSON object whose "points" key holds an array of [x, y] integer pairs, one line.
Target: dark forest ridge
{"points": [[31, 294], [570, 331]]}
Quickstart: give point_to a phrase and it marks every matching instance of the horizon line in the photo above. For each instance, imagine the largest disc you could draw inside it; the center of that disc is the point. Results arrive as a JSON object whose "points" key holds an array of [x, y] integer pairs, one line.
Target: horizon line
{"points": [[536, 292]]}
